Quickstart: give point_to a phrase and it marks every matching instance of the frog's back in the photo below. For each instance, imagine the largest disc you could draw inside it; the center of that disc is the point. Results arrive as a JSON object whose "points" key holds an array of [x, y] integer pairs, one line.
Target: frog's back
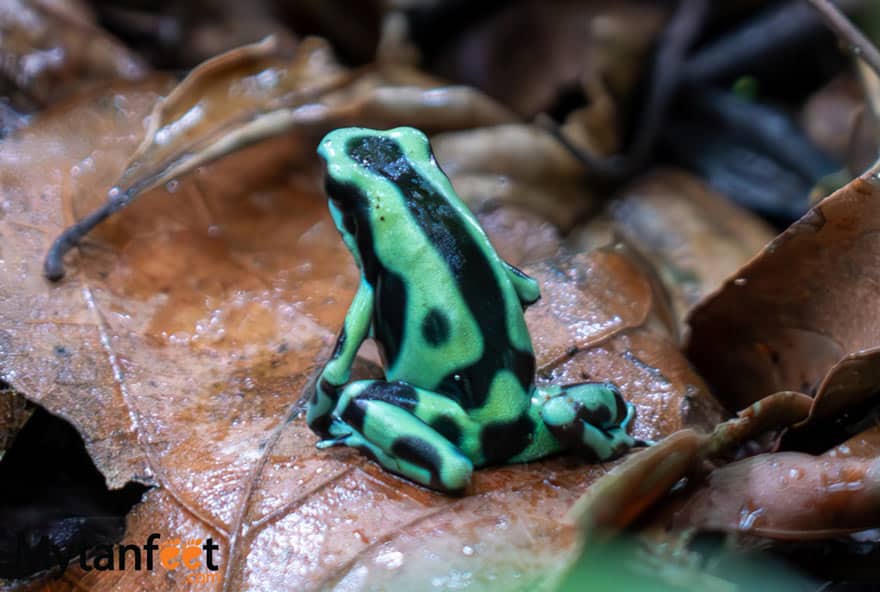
{"points": [[459, 307], [447, 315]]}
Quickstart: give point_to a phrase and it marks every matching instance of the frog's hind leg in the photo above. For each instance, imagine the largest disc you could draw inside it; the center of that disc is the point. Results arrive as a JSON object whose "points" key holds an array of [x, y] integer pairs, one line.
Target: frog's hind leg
{"points": [[589, 418], [379, 418]]}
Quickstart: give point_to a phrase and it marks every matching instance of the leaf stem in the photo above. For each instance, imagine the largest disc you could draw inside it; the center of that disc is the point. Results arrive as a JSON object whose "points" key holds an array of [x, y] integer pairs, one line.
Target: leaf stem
{"points": [[838, 22], [683, 28]]}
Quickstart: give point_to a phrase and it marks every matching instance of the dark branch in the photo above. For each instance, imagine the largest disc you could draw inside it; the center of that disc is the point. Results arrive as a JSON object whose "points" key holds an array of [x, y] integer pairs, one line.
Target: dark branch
{"points": [[673, 46], [53, 266], [858, 44]]}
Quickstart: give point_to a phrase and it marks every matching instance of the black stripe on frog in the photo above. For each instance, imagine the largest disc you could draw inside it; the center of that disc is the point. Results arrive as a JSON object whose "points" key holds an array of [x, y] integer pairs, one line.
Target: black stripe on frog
{"points": [[467, 262]]}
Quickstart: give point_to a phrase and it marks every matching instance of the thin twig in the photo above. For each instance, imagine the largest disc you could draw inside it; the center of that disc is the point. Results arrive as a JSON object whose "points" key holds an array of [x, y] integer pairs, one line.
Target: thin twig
{"points": [[859, 45], [599, 169], [777, 29], [680, 33]]}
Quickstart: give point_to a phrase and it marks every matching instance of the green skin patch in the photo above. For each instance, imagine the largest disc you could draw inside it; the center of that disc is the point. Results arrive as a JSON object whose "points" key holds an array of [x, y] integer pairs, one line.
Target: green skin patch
{"points": [[447, 314]]}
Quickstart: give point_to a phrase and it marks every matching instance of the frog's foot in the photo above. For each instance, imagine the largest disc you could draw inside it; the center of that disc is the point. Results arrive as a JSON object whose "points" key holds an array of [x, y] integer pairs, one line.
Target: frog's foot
{"points": [[377, 417], [591, 419], [339, 435]]}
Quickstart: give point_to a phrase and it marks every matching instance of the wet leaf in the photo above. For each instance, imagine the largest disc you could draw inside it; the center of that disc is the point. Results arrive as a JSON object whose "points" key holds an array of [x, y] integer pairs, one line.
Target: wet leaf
{"points": [[790, 315], [625, 493], [772, 413], [865, 444], [40, 176], [49, 50], [185, 336], [225, 101], [620, 497], [253, 93], [786, 495], [604, 316], [792, 318], [694, 237], [519, 235]]}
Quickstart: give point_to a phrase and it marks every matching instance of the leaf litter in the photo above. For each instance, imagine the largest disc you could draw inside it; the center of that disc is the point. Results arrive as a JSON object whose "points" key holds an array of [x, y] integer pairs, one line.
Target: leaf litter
{"points": [[183, 341]]}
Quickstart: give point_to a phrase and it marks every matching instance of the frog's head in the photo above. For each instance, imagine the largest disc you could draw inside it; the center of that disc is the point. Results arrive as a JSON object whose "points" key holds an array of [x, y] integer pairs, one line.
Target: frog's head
{"points": [[365, 171]]}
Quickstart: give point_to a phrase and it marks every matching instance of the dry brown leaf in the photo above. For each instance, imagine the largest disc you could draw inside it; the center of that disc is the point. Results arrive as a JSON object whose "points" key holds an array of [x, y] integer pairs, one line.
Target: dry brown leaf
{"points": [[693, 236], [49, 50], [186, 334], [848, 384], [788, 318], [568, 42], [15, 410], [238, 25], [226, 103], [795, 318], [772, 413], [785, 495], [256, 92], [604, 316], [844, 118], [865, 444]]}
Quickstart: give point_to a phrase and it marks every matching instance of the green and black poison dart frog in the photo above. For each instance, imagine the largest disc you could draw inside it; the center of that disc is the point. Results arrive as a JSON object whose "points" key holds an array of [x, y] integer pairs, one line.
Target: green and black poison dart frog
{"points": [[447, 314]]}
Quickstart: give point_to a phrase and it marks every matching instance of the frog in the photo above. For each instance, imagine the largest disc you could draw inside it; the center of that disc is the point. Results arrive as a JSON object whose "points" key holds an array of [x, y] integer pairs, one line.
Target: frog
{"points": [[447, 315]]}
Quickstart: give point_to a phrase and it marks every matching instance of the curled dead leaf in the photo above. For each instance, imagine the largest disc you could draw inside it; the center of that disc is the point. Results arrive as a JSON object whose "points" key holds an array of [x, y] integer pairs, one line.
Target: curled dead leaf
{"points": [[646, 477], [253, 93], [786, 495], [849, 383], [784, 320], [772, 413], [620, 497]]}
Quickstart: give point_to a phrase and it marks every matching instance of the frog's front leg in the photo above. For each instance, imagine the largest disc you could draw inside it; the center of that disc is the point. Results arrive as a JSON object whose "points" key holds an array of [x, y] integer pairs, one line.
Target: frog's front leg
{"points": [[337, 370], [406, 430], [589, 418]]}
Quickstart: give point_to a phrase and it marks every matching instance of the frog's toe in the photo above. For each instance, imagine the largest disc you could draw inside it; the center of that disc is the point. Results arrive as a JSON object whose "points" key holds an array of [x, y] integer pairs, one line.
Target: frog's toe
{"points": [[590, 420], [350, 439], [340, 433], [331, 442], [594, 443]]}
